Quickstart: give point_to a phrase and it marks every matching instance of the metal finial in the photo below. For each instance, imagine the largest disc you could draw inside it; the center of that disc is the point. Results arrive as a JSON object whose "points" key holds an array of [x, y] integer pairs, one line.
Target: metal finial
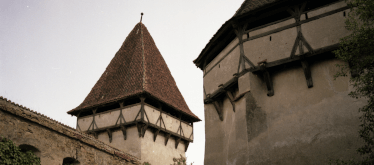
{"points": [[141, 17]]}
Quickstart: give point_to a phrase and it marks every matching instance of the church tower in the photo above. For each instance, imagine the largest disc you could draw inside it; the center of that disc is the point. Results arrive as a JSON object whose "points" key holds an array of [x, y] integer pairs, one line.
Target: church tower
{"points": [[136, 105]]}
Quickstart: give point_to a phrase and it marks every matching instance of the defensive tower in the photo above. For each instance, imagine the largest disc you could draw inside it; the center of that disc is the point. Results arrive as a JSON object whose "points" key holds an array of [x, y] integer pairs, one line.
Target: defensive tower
{"points": [[136, 106]]}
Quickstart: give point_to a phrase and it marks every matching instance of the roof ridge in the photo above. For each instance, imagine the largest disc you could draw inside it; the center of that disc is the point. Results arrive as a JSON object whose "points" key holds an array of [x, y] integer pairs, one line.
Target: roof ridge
{"points": [[143, 57], [27, 113]]}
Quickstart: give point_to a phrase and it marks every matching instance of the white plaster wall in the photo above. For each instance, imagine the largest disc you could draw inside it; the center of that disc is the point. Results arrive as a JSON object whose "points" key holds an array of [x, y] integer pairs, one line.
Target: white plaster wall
{"points": [[223, 72], [152, 113], [107, 119], [131, 145], [271, 27], [157, 153], [171, 123], [187, 130], [130, 112], [325, 31], [279, 47], [223, 53], [84, 122]]}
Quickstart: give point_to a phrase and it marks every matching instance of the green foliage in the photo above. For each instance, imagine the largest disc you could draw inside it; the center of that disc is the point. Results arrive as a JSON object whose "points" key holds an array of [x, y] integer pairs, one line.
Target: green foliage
{"points": [[180, 161], [357, 49], [10, 154]]}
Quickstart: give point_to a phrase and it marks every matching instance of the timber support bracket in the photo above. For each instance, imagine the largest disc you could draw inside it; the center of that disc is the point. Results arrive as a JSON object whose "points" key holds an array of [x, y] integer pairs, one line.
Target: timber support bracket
{"points": [[109, 134], [267, 78]]}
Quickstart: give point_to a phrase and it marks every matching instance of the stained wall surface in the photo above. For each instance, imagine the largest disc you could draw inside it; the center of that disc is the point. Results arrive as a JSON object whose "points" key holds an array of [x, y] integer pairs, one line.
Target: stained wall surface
{"points": [[55, 141], [298, 125]]}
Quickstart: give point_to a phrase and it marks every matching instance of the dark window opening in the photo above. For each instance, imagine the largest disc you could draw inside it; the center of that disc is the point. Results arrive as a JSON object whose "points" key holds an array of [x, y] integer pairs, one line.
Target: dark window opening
{"points": [[70, 161], [152, 102], [269, 20], [108, 107], [270, 38], [311, 5], [86, 113], [306, 15], [131, 101], [344, 14]]}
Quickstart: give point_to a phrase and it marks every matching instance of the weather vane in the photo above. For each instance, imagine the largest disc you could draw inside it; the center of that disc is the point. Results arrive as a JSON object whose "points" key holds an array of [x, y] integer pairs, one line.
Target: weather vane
{"points": [[141, 17]]}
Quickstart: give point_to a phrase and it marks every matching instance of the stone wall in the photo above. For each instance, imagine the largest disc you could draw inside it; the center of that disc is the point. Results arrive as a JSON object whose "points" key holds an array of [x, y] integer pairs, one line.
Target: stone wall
{"points": [[54, 140]]}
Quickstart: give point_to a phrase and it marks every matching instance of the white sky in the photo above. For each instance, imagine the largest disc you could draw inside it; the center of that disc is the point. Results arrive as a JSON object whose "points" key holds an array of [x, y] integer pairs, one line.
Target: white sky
{"points": [[53, 52]]}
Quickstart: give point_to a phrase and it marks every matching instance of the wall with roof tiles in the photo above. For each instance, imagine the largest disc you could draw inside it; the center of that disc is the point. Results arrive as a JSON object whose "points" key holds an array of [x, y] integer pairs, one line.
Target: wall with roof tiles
{"points": [[54, 140]]}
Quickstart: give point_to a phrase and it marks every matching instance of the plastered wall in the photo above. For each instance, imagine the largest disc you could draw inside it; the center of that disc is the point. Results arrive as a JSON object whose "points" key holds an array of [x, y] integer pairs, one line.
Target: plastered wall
{"points": [[156, 153], [298, 125]]}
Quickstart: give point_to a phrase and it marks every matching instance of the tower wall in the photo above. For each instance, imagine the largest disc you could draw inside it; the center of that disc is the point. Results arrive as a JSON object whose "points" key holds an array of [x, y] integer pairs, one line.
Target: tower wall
{"points": [[278, 113], [156, 153]]}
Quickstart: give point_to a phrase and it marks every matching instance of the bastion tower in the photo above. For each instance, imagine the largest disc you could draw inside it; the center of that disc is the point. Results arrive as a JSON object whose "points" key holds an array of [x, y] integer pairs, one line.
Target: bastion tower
{"points": [[136, 105]]}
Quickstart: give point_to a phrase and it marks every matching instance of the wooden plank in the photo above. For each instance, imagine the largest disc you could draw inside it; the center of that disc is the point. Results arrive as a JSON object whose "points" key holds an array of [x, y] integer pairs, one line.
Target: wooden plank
{"points": [[109, 134], [267, 79], [177, 140], [231, 99], [124, 132], [167, 136], [307, 73], [155, 134], [218, 109]]}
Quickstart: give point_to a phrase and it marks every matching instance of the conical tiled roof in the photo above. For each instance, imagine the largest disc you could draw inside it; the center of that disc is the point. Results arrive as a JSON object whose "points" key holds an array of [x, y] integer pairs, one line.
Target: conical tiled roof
{"points": [[138, 67]]}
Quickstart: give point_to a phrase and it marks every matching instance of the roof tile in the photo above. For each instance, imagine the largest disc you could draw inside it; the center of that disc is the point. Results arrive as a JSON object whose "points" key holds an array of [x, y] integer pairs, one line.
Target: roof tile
{"points": [[138, 67]]}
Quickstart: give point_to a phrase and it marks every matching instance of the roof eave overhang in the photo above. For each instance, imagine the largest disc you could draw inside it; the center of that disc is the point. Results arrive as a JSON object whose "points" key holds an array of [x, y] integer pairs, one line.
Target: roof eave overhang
{"points": [[77, 110]]}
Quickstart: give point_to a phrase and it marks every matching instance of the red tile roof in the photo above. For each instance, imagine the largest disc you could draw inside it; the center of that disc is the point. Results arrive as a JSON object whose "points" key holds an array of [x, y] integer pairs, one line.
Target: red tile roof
{"points": [[138, 67]]}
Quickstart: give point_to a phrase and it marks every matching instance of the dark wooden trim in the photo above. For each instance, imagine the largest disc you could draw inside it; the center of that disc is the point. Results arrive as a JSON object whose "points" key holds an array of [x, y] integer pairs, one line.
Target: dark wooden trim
{"points": [[109, 134], [124, 131], [295, 24], [93, 123], [155, 134], [186, 144], [218, 108], [77, 126], [120, 117], [167, 136], [231, 98], [307, 73], [267, 79], [177, 140], [211, 97]]}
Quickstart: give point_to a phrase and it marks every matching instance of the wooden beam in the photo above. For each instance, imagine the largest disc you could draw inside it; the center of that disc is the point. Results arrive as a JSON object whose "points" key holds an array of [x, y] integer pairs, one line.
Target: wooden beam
{"points": [[110, 135], [177, 140], [267, 79], [141, 128], [231, 98], [186, 144], [167, 136], [124, 132], [218, 109], [307, 73], [155, 134]]}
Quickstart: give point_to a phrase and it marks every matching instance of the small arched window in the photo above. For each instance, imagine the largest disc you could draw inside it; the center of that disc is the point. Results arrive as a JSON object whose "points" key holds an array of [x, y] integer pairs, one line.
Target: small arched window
{"points": [[25, 147], [70, 161]]}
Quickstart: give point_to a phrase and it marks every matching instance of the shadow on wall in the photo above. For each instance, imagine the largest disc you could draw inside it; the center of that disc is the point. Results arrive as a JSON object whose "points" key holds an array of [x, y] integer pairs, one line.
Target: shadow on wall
{"points": [[25, 147], [255, 116]]}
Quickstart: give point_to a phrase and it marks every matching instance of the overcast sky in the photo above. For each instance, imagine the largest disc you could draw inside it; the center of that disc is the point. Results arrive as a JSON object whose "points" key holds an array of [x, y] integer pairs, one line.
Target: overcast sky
{"points": [[53, 52]]}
